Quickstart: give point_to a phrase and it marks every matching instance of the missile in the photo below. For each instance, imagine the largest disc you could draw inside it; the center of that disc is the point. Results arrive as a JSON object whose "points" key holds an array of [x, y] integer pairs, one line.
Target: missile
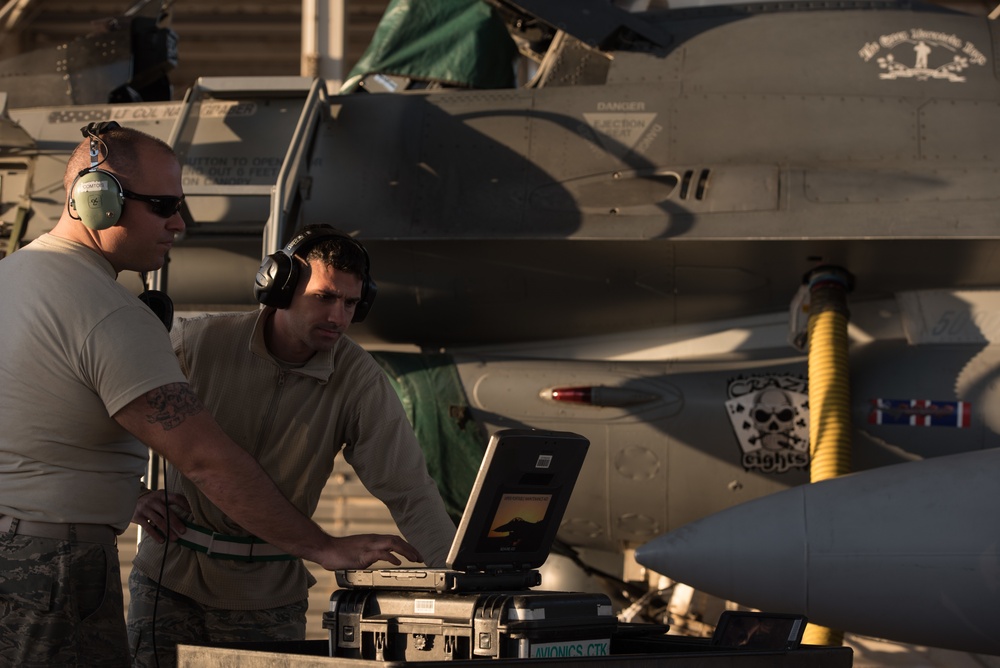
{"points": [[908, 552]]}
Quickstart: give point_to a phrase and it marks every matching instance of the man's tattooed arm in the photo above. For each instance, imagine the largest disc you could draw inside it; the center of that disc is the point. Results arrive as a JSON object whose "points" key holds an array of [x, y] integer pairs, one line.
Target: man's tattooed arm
{"points": [[171, 404]]}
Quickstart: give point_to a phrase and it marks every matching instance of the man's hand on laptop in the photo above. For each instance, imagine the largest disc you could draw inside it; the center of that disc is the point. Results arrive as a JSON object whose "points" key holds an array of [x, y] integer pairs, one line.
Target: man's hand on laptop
{"points": [[363, 550]]}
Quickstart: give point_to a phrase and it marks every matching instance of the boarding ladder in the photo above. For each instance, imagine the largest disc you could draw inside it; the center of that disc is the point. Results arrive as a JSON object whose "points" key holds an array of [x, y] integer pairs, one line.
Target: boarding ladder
{"points": [[244, 146]]}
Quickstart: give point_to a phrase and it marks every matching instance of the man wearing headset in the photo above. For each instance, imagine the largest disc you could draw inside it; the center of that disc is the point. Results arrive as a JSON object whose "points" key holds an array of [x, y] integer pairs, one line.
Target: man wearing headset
{"points": [[88, 381], [289, 386]]}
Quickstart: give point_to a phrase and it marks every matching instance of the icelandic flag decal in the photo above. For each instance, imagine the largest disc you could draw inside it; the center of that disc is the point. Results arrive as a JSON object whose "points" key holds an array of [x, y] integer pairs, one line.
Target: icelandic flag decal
{"points": [[921, 412]]}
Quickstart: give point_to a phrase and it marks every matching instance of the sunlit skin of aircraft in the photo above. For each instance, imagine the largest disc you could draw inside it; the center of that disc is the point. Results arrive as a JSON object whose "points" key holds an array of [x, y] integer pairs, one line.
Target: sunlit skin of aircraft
{"points": [[614, 247]]}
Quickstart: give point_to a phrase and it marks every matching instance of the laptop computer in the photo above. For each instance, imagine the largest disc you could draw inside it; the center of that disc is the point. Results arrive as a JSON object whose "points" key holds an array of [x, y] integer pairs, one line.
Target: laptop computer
{"points": [[510, 520]]}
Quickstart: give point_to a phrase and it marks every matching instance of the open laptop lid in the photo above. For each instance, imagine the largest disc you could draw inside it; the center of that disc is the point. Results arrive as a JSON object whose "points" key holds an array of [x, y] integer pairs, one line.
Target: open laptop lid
{"points": [[517, 501], [511, 518]]}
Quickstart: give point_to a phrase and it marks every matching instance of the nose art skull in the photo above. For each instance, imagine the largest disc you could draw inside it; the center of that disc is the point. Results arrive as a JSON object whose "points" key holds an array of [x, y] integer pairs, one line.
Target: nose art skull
{"points": [[774, 417]]}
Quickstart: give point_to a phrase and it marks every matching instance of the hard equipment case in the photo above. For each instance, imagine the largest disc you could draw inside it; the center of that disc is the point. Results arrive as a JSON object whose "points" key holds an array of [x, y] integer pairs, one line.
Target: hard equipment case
{"points": [[389, 625]]}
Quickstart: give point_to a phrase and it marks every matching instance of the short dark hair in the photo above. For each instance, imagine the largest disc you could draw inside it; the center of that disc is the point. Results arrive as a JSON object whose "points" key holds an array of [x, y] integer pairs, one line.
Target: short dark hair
{"points": [[343, 253]]}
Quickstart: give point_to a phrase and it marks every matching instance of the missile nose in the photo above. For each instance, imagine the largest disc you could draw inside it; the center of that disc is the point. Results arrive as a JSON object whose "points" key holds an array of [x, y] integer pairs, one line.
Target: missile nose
{"points": [[757, 549], [909, 552]]}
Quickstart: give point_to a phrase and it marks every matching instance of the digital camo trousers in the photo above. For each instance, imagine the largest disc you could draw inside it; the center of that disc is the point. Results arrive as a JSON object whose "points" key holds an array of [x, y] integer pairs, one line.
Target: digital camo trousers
{"points": [[157, 615], [60, 604]]}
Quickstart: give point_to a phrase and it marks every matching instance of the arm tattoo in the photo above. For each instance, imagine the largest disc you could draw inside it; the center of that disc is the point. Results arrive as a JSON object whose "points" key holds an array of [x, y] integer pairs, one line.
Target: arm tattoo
{"points": [[171, 404]]}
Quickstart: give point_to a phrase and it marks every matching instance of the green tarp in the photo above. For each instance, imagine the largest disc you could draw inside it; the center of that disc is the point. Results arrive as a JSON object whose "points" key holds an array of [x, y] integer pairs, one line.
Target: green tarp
{"points": [[435, 402], [456, 42]]}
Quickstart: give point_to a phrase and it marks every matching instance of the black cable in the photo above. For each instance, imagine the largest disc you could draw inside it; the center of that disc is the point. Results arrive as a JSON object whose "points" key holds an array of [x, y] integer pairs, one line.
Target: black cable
{"points": [[159, 579], [166, 314], [163, 563]]}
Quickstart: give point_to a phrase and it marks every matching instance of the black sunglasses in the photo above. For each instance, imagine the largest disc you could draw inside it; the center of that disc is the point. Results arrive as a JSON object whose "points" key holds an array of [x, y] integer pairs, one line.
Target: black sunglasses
{"points": [[163, 206]]}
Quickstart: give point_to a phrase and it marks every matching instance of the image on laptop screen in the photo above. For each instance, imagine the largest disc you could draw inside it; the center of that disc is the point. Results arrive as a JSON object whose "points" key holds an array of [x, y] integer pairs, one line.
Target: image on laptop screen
{"points": [[519, 523], [518, 500]]}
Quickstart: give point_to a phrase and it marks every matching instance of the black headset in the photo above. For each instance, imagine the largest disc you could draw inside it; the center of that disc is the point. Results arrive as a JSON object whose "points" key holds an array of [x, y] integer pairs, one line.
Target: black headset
{"points": [[279, 272], [96, 195]]}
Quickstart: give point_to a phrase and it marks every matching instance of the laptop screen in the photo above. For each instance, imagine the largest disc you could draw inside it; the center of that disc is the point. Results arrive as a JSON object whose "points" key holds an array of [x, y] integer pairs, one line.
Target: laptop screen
{"points": [[518, 500]]}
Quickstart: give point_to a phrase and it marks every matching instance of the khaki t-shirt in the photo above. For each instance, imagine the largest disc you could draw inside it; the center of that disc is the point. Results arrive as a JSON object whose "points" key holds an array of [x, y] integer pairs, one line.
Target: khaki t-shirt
{"points": [[77, 348]]}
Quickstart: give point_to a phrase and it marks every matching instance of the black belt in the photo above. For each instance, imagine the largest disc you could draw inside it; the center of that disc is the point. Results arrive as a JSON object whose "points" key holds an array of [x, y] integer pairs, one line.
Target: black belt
{"points": [[79, 533]]}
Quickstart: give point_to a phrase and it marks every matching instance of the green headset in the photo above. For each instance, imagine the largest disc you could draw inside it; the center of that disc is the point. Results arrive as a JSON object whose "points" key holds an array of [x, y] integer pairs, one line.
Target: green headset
{"points": [[96, 195]]}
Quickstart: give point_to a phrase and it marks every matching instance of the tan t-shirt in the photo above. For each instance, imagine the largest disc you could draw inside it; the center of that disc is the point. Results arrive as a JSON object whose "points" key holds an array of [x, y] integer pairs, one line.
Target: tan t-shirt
{"points": [[77, 347]]}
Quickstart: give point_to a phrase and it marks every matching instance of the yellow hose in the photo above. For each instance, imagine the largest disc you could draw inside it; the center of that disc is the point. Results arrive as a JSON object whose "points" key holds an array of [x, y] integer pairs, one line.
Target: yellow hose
{"points": [[829, 402], [829, 397]]}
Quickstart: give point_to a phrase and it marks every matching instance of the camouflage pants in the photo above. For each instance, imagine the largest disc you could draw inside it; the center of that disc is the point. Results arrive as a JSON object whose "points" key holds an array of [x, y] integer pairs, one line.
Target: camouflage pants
{"points": [[180, 620], [60, 604]]}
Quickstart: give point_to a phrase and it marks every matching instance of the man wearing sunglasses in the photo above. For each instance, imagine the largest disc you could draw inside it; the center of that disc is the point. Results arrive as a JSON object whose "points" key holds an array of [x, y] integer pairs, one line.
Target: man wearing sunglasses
{"points": [[88, 381]]}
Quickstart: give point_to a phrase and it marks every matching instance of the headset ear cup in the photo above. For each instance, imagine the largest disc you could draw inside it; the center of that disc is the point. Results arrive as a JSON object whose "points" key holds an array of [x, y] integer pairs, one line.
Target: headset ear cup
{"points": [[159, 302], [275, 282], [97, 198], [368, 291]]}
